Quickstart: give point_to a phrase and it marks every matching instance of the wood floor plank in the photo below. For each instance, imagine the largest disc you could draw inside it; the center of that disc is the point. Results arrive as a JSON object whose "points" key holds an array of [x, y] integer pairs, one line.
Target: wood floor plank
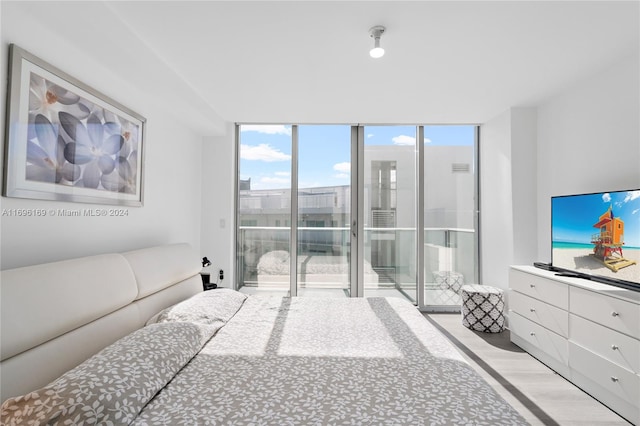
{"points": [[537, 392]]}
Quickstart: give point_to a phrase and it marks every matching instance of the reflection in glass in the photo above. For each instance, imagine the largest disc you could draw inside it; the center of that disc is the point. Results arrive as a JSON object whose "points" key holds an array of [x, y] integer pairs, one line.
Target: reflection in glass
{"points": [[389, 211], [324, 215], [324, 197], [264, 209], [449, 213]]}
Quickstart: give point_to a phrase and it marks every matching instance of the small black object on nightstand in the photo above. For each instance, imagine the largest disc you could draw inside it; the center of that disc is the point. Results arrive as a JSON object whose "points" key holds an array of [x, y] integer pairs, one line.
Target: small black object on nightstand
{"points": [[209, 286]]}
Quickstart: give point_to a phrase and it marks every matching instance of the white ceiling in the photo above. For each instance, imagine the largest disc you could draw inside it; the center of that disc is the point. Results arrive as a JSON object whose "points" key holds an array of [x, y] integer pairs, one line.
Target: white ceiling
{"points": [[307, 61]]}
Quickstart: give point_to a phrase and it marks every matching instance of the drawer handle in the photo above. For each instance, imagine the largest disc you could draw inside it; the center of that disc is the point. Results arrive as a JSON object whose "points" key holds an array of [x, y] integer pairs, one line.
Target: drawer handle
{"points": [[532, 309], [532, 333], [614, 379], [614, 347], [614, 314]]}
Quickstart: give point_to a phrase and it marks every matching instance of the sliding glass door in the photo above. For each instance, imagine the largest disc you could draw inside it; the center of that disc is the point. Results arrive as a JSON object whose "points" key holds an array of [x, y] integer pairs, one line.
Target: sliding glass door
{"points": [[294, 202], [450, 213], [352, 211], [324, 211], [390, 211]]}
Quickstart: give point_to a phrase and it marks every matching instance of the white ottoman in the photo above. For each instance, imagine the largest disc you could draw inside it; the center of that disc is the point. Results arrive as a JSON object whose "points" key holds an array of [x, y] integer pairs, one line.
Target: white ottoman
{"points": [[482, 308]]}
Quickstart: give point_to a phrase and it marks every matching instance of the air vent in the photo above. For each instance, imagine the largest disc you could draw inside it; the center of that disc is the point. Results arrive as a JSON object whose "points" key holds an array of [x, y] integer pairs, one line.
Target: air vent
{"points": [[383, 218], [460, 167]]}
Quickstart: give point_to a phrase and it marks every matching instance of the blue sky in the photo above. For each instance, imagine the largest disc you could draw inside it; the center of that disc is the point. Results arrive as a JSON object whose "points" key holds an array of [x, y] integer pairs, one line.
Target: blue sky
{"points": [[574, 216], [324, 151]]}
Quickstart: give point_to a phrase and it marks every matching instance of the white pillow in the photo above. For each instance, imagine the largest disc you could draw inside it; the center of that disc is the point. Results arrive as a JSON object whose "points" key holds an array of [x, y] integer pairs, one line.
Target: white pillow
{"points": [[209, 307]]}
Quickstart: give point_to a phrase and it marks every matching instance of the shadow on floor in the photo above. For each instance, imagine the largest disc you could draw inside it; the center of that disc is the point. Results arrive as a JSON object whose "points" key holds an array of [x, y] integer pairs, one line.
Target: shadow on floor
{"points": [[503, 342], [498, 340]]}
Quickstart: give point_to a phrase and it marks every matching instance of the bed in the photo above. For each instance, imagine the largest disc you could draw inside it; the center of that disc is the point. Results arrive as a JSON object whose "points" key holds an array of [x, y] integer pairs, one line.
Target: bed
{"points": [[220, 357]]}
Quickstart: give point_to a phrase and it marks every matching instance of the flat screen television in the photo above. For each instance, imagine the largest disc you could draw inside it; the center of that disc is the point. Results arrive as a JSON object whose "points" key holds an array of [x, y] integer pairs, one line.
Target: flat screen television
{"points": [[597, 236]]}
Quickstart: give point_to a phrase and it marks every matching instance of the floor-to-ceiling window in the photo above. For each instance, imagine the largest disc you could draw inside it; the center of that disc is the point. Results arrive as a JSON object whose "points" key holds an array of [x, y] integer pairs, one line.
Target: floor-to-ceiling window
{"points": [[264, 208], [450, 213], [364, 211], [390, 210], [324, 210]]}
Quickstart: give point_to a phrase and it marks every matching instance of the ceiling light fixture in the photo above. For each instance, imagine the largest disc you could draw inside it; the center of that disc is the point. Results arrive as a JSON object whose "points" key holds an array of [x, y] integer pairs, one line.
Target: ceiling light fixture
{"points": [[376, 32]]}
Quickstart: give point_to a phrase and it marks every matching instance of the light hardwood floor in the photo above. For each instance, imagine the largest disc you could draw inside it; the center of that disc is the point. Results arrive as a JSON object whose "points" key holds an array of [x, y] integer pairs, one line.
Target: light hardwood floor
{"points": [[539, 394]]}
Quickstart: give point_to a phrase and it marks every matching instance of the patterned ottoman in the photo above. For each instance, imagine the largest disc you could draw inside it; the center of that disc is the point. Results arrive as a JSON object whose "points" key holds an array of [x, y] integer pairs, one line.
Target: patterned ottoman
{"points": [[448, 280], [482, 308]]}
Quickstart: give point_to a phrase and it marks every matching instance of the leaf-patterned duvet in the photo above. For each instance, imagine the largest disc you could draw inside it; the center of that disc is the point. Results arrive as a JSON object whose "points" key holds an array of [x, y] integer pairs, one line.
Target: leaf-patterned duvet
{"points": [[313, 361]]}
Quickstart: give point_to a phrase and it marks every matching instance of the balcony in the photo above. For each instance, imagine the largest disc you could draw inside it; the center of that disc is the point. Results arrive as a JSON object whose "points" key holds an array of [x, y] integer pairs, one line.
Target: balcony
{"points": [[390, 261]]}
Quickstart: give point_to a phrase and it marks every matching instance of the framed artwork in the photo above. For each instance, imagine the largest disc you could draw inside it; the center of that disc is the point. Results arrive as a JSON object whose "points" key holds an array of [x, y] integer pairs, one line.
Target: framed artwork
{"points": [[66, 141]]}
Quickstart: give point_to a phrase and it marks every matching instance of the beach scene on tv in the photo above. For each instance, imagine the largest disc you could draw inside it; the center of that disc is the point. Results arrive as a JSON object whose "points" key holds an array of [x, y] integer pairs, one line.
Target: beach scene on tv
{"points": [[597, 234]]}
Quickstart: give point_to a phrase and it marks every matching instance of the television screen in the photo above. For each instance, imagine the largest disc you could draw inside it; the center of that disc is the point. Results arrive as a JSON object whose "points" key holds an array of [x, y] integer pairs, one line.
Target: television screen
{"points": [[598, 235]]}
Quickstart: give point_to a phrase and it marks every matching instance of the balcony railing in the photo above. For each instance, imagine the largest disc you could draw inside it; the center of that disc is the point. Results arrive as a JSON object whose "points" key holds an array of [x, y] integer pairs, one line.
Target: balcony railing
{"points": [[389, 253]]}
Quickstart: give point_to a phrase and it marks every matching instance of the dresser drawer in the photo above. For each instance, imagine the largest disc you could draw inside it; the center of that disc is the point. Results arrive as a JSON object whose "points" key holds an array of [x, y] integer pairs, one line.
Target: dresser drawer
{"points": [[612, 345], [546, 341], [550, 317], [615, 379], [614, 313], [545, 289]]}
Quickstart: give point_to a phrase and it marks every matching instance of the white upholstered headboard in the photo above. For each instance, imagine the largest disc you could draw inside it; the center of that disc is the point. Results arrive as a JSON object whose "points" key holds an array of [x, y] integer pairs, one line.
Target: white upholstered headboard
{"points": [[56, 315]]}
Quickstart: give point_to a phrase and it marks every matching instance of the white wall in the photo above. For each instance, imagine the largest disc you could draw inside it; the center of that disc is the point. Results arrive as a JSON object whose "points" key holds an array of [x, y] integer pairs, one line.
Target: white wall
{"points": [[171, 211], [524, 184], [218, 204], [589, 140], [496, 215], [585, 139]]}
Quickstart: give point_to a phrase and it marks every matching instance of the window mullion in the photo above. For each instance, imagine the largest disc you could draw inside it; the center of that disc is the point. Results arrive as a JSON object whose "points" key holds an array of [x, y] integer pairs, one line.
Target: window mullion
{"points": [[293, 250], [420, 216]]}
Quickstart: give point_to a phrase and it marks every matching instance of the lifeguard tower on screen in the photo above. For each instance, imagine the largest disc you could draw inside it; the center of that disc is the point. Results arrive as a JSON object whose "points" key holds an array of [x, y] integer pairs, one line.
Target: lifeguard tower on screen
{"points": [[608, 243]]}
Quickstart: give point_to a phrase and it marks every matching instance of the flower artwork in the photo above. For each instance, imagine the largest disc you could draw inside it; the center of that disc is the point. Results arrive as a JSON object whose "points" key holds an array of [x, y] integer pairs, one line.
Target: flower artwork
{"points": [[75, 142], [68, 142]]}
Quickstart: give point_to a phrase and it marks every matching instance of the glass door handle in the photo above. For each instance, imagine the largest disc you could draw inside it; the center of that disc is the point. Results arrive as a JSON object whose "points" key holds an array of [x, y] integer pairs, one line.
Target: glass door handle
{"points": [[354, 229]]}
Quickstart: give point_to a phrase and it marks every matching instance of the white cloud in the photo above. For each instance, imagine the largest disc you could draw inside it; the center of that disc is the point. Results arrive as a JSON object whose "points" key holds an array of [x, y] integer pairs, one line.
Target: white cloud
{"points": [[407, 140], [342, 176], [276, 180], [342, 167], [631, 195], [370, 135], [404, 140], [269, 129], [606, 197], [286, 174], [635, 211], [262, 152]]}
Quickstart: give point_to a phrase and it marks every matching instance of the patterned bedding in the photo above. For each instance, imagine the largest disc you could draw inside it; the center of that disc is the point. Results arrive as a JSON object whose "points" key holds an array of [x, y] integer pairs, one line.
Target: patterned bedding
{"points": [[276, 361]]}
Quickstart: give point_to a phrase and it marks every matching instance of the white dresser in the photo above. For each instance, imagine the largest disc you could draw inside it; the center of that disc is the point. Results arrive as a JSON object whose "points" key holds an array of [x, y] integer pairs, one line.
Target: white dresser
{"points": [[586, 331]]}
